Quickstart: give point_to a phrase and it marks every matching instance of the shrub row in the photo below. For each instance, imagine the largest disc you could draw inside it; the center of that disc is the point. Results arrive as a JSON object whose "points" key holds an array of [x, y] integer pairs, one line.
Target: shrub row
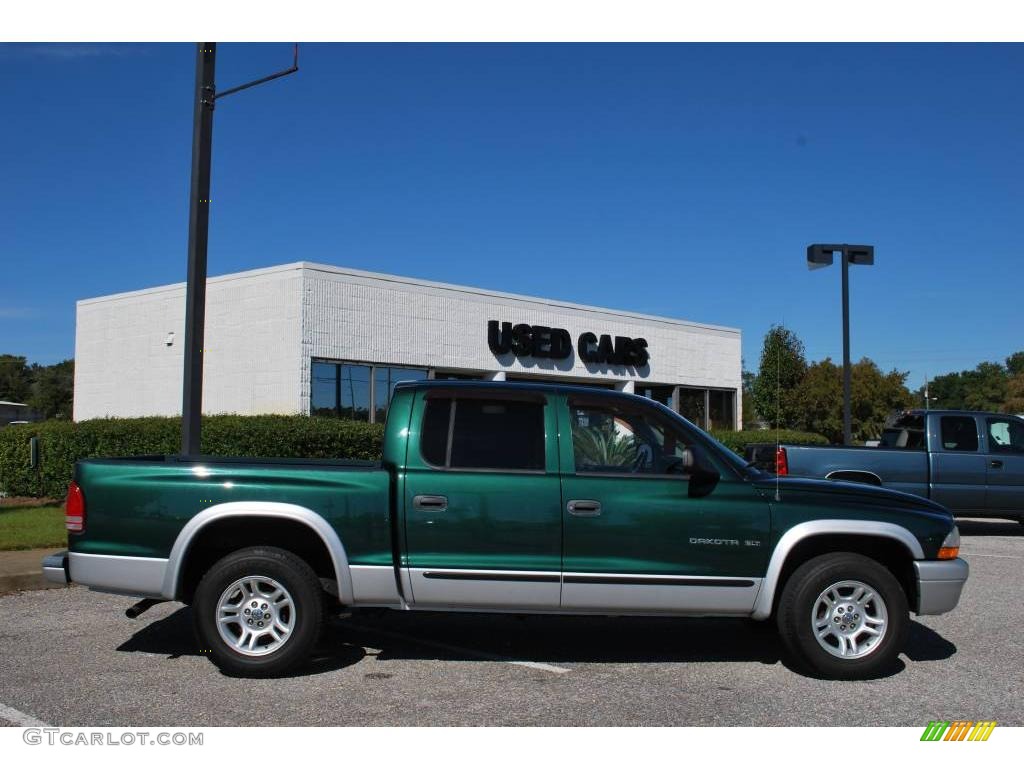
{"points": [[738, 441], [62, 443]]}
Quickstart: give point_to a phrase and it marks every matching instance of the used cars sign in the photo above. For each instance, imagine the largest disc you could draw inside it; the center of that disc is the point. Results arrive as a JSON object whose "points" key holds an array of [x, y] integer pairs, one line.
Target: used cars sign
{"points": [[524, 340]]}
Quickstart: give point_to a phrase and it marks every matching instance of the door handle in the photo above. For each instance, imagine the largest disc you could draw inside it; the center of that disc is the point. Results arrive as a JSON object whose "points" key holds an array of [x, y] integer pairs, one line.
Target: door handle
{"points": [[584, 507], [428, 503], [996, 464]]}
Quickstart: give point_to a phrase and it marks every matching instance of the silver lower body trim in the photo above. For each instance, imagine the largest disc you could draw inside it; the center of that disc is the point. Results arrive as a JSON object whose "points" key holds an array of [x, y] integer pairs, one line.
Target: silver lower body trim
{"points": [[484, 589], [579, 592], [676, 595], [374, 585], [939, 584], [120, 574]]}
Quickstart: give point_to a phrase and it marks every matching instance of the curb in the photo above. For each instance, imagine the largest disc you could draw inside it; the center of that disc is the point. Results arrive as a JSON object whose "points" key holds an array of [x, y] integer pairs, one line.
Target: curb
{"points": [[22, 570], [23, 582]]}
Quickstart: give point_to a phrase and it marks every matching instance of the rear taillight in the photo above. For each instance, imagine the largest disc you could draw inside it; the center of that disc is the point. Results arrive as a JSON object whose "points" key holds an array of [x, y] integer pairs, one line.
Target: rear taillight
{"points": [[781, 462], [74, 509]]}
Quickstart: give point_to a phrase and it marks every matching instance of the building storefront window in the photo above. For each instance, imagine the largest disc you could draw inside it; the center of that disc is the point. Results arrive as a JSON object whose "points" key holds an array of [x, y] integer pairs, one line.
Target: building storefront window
{"points": [[708, 408], [362, 391], [385, 379], [454, 376], [692, 405], [345, 390], [721, 409], [661, 394]]}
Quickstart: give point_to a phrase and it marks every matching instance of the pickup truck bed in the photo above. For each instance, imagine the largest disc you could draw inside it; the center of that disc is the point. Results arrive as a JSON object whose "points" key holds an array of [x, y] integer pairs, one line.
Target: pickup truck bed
{"points": [[139, 508]]}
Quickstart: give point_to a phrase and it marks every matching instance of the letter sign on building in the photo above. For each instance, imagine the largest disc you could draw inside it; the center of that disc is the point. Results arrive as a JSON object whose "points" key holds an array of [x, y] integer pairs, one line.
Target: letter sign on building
{"points": [[540, 341]]}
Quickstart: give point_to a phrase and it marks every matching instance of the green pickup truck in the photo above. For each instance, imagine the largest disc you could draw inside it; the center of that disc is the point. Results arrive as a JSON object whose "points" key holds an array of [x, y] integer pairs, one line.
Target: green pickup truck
{"points": [[495, 497]]}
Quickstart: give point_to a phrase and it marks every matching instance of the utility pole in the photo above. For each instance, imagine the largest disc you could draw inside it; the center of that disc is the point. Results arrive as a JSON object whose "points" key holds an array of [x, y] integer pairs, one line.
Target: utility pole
{"points": [[198, 237], [927, 395], [847, 421]]}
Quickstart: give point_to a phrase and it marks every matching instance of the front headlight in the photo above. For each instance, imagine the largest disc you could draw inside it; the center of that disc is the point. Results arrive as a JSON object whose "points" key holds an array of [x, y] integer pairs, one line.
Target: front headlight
{"points": [[950, 545]]}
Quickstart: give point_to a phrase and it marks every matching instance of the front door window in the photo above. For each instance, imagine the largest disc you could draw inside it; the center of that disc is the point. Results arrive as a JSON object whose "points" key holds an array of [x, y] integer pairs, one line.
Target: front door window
{"points": [[615, 440]]}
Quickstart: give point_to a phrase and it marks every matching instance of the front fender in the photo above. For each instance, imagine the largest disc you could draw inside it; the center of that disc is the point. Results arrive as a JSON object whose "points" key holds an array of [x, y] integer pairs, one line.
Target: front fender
{"points": [[766, 593]]}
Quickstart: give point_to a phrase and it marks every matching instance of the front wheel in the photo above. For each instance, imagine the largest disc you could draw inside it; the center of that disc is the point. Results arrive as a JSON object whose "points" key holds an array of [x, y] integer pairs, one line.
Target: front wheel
{"points": [[258, 612], [844, 616]]}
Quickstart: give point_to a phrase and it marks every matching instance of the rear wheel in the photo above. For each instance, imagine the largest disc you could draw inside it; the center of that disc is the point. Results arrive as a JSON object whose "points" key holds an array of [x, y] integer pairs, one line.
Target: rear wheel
{"points": [[258, 612], [843, 616]]}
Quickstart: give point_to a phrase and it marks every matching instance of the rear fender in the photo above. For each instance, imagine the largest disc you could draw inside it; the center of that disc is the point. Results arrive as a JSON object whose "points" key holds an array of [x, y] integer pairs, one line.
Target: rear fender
{"points": [[309, 518]]}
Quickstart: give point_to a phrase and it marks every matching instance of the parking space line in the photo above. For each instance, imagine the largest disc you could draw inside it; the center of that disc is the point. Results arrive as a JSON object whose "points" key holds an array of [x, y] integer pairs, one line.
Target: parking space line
{"points": [[983, 554], [12, 715], [461, 650]]}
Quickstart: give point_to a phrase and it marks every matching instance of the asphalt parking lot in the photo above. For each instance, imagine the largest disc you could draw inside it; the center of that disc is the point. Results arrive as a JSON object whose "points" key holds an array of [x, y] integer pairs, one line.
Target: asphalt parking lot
{"points": [[71, 658]]}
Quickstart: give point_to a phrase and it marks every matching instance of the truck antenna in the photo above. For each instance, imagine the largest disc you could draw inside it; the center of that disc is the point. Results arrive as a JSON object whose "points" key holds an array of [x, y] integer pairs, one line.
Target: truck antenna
{"points": [[778, 415]]}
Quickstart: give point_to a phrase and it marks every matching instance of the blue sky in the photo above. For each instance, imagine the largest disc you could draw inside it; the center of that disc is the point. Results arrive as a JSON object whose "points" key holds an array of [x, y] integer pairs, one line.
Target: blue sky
{"points": [[681, 180]]}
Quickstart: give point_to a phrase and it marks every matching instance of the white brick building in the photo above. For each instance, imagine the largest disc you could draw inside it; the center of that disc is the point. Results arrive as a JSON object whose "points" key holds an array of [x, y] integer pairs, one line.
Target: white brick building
{"points": [[302, 338]]}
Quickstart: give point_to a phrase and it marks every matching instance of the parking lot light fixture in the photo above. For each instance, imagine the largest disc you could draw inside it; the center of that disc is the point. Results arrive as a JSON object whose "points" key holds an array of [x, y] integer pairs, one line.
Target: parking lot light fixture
{"points": [[821, 255]]}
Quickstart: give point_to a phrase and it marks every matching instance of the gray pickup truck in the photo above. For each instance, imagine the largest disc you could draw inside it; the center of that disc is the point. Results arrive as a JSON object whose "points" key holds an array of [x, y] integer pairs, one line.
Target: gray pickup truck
{"points": [[971, 463]]}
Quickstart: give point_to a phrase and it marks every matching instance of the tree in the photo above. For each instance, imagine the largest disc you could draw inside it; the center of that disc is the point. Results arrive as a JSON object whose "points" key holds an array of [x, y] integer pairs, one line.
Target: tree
{"points": [[874, 396], [984, 387], [1015, 363], [15, 379], [749, 412], [782, 368], [820, 398], [1014, 395], [53, 389]]}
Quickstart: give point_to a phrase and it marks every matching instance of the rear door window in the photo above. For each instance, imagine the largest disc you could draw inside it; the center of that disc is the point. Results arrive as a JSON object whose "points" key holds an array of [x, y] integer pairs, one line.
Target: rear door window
{"points": [[477, 433], [434, 434], [907, 432], [1005, 436], [959, 433]]}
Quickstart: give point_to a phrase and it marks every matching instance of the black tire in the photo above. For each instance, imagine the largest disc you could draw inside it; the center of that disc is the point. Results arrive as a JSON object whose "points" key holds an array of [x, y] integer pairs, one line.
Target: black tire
{"points": [[796, 616], [305, 616]]}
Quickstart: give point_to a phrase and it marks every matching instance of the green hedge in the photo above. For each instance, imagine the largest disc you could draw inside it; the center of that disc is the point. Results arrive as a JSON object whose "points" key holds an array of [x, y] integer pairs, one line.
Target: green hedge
{"points": [[62, 443], [738, 441]]}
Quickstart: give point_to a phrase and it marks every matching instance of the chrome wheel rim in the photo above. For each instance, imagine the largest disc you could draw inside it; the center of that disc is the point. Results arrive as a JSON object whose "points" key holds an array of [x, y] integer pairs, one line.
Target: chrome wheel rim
{"points": [[255, 616], [849, 619]]}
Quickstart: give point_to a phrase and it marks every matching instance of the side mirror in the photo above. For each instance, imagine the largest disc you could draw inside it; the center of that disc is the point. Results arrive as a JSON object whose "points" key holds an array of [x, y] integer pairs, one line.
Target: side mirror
{"points": [[703, 476]]}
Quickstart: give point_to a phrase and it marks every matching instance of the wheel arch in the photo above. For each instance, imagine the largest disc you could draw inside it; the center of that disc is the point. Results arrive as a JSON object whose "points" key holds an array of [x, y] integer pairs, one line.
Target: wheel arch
{"points": [[855, 476], [799, 543], [264, 510]]}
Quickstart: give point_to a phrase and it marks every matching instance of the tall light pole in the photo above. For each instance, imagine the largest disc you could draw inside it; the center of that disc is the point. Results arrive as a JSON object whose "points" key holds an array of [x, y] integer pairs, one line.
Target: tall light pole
{"points": [[820, 255], [198, 237]]}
